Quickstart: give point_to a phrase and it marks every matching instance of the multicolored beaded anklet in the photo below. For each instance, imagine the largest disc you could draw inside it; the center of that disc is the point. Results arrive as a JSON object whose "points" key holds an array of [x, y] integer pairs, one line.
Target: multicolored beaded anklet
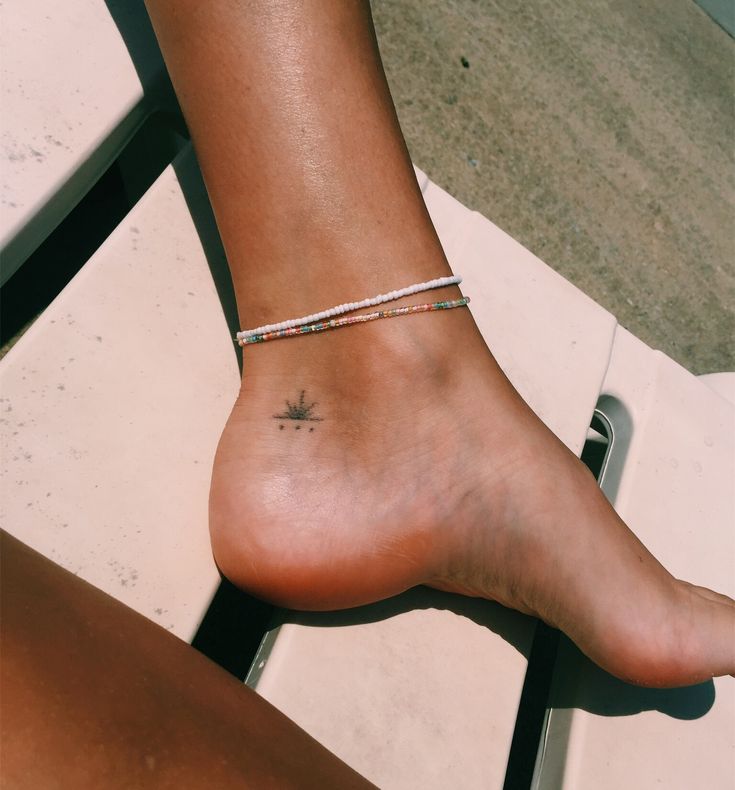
{"points": [[348, 307], [335, 323]]}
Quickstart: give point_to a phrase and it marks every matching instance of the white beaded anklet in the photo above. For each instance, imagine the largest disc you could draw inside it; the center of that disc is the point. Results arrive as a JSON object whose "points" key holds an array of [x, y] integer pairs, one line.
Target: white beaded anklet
{"points": [[348, 307]]}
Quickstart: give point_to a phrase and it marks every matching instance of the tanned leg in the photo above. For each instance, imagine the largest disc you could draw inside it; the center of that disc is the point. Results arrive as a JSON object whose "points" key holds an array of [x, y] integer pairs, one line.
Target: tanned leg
{"points": [[425, 465], [96, 696]]}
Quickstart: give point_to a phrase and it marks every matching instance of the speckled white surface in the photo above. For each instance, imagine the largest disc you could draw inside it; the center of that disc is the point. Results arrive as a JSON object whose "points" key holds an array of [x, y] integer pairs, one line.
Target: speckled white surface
{"points": [[112, 405], [70, 93], [421, 691]]}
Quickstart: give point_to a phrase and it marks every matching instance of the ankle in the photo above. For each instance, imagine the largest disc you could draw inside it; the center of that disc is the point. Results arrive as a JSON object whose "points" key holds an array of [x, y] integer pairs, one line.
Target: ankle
{"points": [[370, 354]]}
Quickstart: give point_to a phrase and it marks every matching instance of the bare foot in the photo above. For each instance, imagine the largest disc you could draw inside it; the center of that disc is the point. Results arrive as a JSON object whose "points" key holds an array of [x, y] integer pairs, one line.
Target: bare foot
{"points": [[364, 461], [424, 465]]}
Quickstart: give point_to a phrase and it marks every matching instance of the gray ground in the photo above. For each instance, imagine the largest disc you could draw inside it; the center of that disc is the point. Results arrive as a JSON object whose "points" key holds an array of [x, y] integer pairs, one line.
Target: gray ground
{"points": [[599, 134]]}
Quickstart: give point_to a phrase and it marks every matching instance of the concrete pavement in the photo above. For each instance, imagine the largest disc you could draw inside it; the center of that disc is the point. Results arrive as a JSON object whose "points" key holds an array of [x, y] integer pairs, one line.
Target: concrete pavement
{"points": [[598, 134]]}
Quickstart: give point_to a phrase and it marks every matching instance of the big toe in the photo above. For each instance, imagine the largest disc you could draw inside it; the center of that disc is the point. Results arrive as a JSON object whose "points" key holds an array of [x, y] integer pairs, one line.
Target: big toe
{"points": [[692, 642]]}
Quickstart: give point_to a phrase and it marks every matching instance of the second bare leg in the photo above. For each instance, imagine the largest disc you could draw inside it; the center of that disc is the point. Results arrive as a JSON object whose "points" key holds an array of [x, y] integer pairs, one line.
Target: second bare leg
{"points": [[94, 695]]}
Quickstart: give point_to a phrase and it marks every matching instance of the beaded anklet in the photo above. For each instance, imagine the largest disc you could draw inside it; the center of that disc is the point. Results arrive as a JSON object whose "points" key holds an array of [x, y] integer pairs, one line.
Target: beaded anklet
{"points": [[335, 323], [348, 307]]}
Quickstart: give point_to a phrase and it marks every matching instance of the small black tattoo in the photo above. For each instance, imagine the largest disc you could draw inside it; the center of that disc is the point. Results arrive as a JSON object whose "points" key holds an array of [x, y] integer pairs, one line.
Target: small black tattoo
{"points": [[300, 412]]}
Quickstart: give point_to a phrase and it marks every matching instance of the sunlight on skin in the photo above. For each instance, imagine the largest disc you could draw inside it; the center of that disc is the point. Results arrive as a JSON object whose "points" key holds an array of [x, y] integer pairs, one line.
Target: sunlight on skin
{"points": [[426, 466]]}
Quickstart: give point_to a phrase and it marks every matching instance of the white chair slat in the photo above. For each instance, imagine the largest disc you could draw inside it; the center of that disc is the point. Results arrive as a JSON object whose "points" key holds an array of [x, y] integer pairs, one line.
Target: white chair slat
{"points": [[112, 405], [72, 97], [677, 493]]}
